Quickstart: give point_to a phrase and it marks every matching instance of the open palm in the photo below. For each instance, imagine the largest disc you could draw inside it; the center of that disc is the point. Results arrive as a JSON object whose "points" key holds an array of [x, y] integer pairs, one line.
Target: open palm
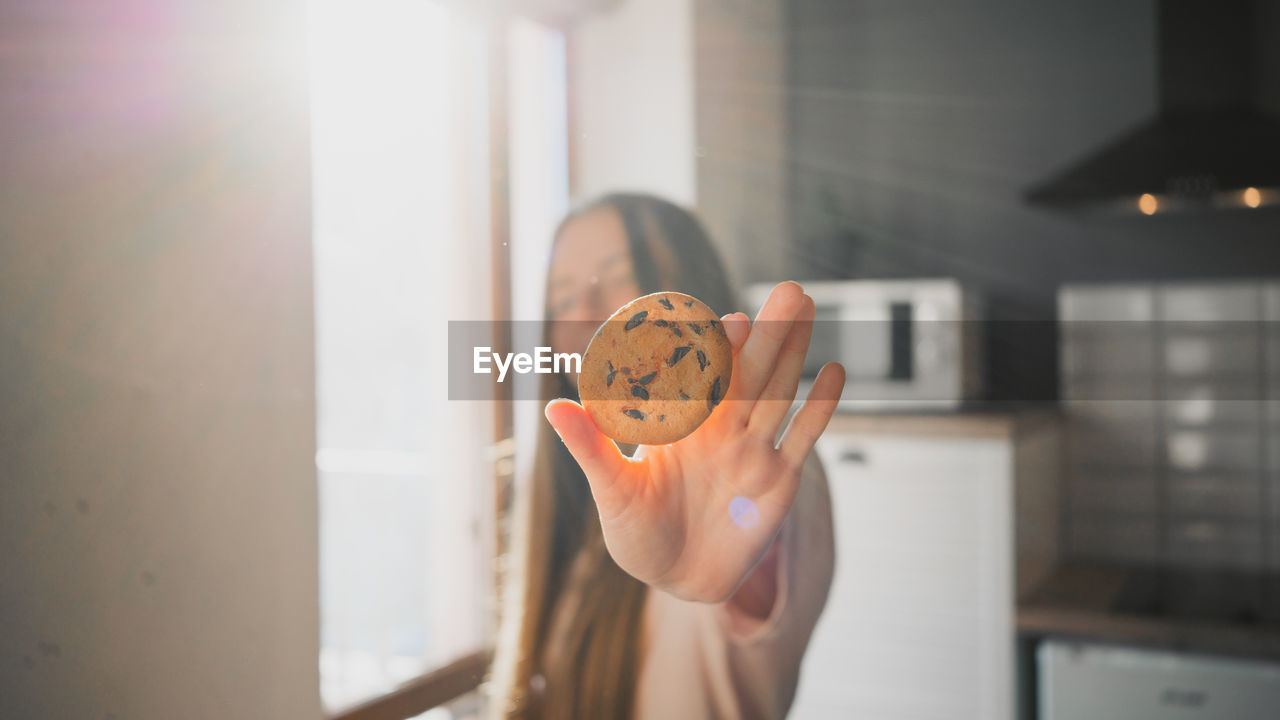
{"points": [[694, 517]]}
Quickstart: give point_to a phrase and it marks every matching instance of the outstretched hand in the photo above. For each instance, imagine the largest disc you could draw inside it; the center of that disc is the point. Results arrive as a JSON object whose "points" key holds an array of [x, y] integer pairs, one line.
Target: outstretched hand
{"points": [[694, 517]]}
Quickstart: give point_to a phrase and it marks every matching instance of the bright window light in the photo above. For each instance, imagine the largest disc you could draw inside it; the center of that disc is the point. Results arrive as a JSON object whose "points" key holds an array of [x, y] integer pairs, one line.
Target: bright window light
{"points": [[405, 554]]}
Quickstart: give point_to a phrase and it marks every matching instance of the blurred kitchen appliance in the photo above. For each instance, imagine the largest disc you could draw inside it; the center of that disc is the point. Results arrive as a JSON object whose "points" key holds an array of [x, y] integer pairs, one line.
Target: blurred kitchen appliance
{"points": [[1214, 141], [903, 343], [1080, 681]]}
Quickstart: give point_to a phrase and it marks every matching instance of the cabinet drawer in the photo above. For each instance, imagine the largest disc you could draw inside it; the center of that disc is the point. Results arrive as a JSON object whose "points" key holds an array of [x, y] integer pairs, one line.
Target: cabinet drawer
{"points": [[932, 457]]}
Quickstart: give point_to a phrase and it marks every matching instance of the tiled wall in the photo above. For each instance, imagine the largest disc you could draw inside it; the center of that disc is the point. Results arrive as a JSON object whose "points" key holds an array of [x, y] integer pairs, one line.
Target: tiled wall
{"points": [[1173, 399]]}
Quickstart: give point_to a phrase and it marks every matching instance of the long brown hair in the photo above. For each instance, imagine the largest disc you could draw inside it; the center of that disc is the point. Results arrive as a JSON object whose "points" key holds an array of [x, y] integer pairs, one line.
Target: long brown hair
{"points": [[556, 524]]}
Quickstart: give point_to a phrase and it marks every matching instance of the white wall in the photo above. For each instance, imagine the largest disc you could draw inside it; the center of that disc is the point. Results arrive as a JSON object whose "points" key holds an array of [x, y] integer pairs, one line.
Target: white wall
{"points": [[631, 75], [158, 524]]}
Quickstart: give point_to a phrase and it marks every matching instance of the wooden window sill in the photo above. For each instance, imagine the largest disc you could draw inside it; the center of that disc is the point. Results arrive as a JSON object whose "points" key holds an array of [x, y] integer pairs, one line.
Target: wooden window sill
{"points": [[421, 694]]}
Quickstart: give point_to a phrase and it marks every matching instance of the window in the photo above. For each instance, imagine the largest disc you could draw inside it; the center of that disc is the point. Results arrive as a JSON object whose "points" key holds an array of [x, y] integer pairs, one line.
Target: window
{"points": [[401, 137], [539, 193], [399, 149]]}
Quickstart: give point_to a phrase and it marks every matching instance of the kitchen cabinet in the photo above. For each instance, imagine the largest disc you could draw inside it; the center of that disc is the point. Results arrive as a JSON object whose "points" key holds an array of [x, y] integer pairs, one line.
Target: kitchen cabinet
{"points": [[920, 619], [1083, 681]]}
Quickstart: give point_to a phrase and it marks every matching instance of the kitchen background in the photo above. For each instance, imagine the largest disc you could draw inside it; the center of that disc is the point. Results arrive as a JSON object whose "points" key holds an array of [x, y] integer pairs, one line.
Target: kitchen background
{"points": [[224, 492], [900, 140], [891, 140]]}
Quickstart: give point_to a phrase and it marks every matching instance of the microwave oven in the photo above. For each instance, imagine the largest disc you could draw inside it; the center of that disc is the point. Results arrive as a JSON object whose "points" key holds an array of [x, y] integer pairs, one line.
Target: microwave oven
{"points": [[904, 344]]}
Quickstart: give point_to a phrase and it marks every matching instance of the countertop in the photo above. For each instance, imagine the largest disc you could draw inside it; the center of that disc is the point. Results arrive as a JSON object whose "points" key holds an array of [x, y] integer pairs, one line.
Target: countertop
{"points": [[985, 420], [1217, 612]]}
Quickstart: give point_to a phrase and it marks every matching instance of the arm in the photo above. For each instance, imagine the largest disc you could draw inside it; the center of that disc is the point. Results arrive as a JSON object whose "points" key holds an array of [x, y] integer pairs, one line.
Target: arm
{"points": [[724, 660], [754, 601], [787, 591]]}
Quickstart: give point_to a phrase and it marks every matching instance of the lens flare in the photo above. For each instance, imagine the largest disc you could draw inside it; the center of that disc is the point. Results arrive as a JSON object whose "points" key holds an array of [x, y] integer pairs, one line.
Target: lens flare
{"points": [[743, 512]]}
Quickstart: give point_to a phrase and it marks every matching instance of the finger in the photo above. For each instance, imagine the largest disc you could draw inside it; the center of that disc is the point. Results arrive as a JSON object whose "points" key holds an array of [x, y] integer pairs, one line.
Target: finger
{"points": [[599, 457], [780, 392], [754, 364], [812, 417], [736, 326]]}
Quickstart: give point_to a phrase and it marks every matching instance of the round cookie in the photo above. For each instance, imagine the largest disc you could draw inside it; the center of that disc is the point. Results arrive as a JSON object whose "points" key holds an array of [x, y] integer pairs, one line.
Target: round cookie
{"points": [[656, 369]]}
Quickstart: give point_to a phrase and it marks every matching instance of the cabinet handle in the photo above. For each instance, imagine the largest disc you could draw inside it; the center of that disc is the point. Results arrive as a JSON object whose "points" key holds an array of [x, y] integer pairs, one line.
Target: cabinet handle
{"points": [[853, 455]]}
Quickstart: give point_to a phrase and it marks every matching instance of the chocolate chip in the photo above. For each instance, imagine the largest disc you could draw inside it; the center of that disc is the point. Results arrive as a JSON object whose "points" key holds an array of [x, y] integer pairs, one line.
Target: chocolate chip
{"points": [[639, 392], [676, 330], [666, 303], [683, 396], [695, 327], [715, 398], [643, 381], [608, 380], [634, 413], [661, 418], [636, 319], [678, 353], [661, 323], [703, 362], [688, 303]]}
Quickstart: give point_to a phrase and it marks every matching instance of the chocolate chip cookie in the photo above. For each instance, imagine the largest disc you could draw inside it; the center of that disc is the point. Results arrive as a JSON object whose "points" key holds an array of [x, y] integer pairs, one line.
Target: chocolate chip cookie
{"points": [[656, 369]]}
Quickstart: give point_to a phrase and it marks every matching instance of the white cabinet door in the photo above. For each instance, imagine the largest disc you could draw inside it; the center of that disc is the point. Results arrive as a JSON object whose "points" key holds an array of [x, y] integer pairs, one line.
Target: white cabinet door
{"points": [[919, 623]]}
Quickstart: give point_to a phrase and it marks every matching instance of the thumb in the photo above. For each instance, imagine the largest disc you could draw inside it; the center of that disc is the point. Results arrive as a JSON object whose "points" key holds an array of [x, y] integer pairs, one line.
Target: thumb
{"points": [[599, 457]]}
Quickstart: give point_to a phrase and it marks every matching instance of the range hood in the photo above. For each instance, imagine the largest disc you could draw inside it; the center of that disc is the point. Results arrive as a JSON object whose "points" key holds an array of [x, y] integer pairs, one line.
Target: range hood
{"points": [[1211, 145]]}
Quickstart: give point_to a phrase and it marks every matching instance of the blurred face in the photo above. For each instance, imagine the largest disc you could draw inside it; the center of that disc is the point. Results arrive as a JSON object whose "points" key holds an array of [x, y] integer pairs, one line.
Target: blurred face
{"points": [[591, 277]]}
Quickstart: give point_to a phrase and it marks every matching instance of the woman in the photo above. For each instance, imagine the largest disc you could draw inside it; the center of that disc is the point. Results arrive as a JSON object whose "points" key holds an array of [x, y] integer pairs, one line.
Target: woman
{"points": [[637, 593]]}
